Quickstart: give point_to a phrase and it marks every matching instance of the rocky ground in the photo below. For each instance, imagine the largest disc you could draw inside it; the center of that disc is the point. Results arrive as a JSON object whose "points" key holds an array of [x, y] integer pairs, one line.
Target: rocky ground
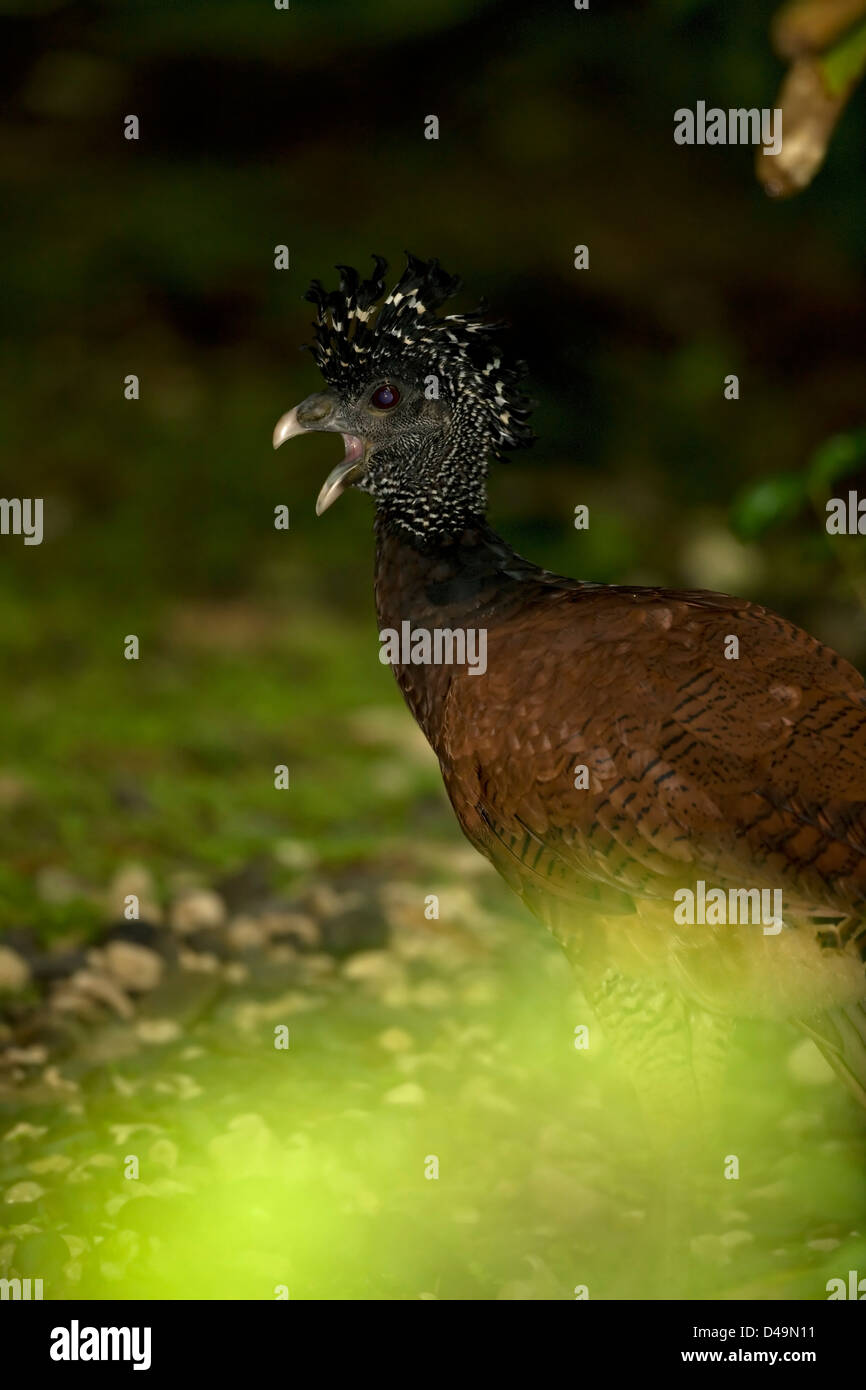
{"points": [[330, 1095]]}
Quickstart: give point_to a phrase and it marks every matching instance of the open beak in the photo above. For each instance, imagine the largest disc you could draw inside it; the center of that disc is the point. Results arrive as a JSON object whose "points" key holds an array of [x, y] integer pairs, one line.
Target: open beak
{"points": [[320, 413]]}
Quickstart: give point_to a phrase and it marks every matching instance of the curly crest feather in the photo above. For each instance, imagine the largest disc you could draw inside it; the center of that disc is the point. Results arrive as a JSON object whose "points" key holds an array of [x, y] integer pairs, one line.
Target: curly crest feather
{"points": [[360, 331]]}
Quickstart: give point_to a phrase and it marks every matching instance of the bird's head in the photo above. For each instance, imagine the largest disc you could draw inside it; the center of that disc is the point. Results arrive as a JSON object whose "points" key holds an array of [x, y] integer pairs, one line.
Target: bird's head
{"points": [[423, 401]]}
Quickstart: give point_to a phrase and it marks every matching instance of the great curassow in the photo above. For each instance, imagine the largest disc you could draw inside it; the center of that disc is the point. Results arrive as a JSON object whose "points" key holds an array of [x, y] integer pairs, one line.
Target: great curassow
{"points": [[624, 746]]}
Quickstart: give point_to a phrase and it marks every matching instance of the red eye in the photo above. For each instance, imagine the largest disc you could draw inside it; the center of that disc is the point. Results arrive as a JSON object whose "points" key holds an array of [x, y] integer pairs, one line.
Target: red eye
{"points": [[384, 397]]}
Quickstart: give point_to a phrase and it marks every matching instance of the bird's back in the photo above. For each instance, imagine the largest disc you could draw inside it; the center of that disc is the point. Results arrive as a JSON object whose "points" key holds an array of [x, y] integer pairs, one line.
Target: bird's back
{"points": [[626, 745]]}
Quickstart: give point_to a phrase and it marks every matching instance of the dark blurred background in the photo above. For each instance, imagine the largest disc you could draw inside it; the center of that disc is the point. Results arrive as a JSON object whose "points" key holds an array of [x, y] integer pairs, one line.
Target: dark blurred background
{"points": [[156, 257]]}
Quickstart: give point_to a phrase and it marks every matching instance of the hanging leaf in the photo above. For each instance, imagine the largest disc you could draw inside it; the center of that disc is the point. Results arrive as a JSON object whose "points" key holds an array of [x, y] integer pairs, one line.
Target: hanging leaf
{"points": [[810, 26], [814, 93]]}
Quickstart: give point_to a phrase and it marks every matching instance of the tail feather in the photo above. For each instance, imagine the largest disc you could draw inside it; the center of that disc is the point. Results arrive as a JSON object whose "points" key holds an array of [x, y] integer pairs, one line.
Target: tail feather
{"points": [[841, 1036]]}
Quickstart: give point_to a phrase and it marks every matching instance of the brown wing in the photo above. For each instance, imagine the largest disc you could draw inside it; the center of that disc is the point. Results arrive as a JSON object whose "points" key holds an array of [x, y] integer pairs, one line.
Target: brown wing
{"points": [[749, 769]]}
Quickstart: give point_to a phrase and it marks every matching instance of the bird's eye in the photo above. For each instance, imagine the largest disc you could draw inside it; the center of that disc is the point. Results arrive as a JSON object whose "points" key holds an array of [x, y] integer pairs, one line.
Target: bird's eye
{"points": [[385, 397]]}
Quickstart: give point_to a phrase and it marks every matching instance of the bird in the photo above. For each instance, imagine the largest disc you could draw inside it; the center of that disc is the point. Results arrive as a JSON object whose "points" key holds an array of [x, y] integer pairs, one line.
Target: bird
{"points": [[621, 751]]}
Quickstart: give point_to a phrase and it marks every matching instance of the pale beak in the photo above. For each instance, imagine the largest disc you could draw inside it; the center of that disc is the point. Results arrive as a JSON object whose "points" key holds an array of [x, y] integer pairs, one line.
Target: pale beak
{"points": [[319, 412], [287, 427], [341, 477]]}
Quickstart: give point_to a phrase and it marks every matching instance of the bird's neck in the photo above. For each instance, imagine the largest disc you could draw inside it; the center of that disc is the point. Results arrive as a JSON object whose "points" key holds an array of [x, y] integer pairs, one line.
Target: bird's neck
{"points": [[460, 584], [431, 493]]}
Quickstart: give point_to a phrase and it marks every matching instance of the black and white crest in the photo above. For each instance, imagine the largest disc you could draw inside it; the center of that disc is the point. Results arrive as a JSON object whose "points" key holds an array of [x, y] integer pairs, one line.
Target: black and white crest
{"points": [[360, 332]]}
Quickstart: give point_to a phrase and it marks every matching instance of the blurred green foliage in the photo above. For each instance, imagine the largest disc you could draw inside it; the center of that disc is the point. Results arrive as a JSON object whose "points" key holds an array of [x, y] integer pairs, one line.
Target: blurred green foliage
{"points": [[783, 497]]}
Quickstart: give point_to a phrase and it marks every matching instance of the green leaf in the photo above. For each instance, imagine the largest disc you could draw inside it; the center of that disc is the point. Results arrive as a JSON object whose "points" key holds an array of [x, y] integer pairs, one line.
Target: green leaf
{"points": [[768, 503], [835, 458], [845, 63]]}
